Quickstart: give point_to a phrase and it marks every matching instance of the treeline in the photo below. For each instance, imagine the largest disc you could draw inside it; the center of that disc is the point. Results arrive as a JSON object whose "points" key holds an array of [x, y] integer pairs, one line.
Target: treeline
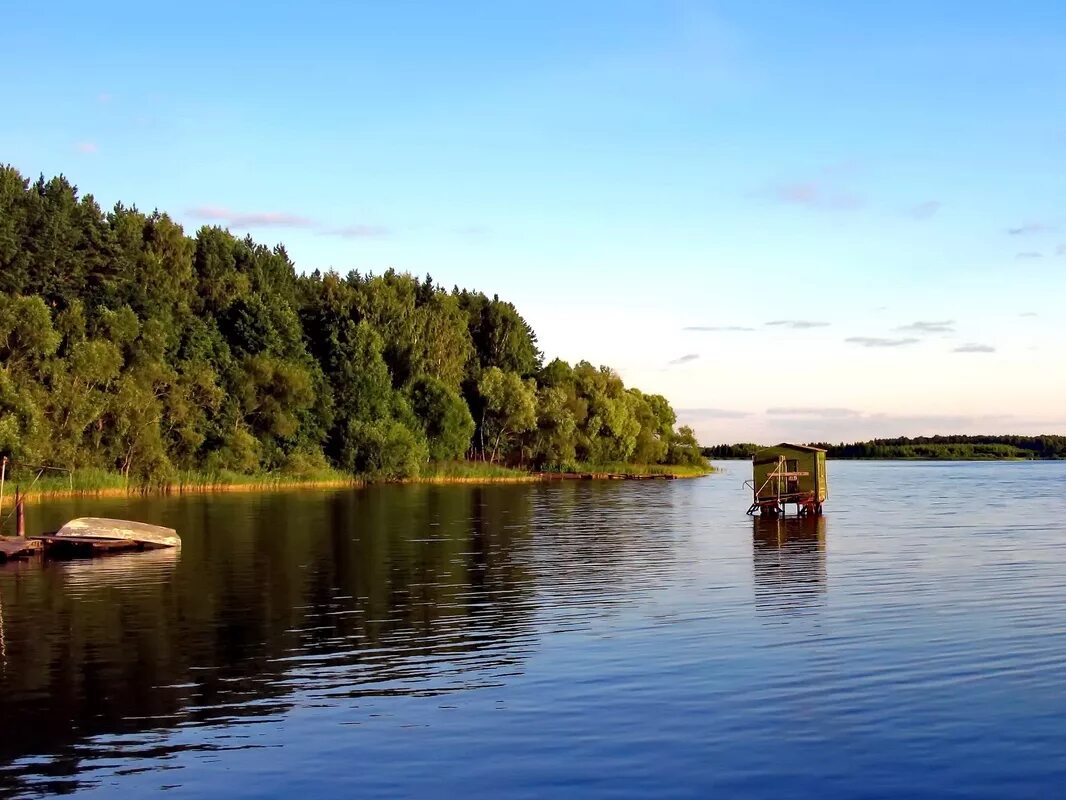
{"points": [[943, 448], [127, 346]]}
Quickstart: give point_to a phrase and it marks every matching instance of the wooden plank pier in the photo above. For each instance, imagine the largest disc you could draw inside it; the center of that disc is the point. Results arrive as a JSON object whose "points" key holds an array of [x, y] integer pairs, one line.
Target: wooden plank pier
{"points": [[12, 547], [85, 537], [55, 546]]}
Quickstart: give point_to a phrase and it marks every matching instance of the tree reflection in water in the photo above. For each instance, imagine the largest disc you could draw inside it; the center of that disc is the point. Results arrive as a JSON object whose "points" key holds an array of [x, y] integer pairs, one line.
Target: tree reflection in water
{"points": [[271, 601]]}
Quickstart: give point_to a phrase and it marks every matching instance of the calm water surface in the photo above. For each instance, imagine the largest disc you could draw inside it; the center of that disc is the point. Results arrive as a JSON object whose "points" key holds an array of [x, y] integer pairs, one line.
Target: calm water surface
{"points": [[575, 639]]}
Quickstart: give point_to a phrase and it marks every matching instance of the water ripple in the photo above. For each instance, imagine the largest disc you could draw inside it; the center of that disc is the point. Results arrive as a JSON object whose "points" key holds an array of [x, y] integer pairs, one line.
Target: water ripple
{"points": [[593, 639]]}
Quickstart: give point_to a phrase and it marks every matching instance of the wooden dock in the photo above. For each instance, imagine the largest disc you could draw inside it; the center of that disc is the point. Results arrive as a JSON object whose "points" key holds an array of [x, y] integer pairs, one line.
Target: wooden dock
{"points": [[55, 546], [12, 547], [87, 537]]}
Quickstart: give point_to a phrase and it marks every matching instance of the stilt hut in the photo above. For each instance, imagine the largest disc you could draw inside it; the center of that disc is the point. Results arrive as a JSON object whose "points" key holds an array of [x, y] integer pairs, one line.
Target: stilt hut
{"points": [[788, 474]]}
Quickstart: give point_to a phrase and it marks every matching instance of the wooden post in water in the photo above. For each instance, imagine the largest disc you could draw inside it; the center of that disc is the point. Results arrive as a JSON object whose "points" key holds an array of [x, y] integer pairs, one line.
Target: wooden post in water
{"points": [[20, 515], [3, 477]]}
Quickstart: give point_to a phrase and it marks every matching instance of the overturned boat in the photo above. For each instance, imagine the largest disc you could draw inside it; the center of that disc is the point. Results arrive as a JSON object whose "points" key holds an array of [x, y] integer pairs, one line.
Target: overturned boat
{"points": [[90, 536]]}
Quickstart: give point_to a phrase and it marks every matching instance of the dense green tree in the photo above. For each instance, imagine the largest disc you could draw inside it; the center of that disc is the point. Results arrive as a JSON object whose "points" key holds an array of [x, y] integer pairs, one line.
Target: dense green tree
{"points": [[510, 409], [609, 432], [383, 449], [553, 441], [444, 415], [129, 346], [500, 336]]}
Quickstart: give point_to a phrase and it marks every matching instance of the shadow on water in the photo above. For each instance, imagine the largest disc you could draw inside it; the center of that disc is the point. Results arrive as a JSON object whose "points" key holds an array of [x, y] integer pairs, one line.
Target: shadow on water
{"points": [[789, 564], [271, 601]]}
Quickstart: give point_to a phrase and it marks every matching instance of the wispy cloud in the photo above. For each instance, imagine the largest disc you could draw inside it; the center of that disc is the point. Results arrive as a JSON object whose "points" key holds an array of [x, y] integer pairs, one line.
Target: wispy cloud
{"points": [[875, 341], [88, 148], [685, 359], [972, 347], [712, 413], [472, 231], [357, 231], [717, 328], [1060, 250], [1031, 227], [922, 326], [104, 97], [1028, 314], [283, 219], [797, 324], [829, 412], [816, 193], [255, 219], [1028, 254], [925, 210]]}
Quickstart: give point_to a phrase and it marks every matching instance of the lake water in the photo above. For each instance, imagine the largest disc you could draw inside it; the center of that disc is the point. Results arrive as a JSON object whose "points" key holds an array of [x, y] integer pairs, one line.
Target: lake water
{"points": [[593, 639]]}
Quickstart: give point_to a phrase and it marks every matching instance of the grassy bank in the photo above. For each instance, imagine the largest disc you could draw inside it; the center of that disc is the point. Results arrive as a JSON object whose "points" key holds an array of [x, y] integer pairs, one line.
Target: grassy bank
{"points": [[674, 470], [472, 472], [100, 483]]}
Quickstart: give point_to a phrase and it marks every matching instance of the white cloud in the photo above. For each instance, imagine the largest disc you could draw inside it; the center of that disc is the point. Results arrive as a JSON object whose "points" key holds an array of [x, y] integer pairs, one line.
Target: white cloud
{"points": [[876, 341]]}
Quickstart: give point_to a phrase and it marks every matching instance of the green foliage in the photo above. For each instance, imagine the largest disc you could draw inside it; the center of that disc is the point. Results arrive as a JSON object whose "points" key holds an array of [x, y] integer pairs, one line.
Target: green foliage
{"points": [[743, 450], [129, 348], [445, 418], [384, 449], [27, 336], [509, 407], [684, 449], [553, 441]]}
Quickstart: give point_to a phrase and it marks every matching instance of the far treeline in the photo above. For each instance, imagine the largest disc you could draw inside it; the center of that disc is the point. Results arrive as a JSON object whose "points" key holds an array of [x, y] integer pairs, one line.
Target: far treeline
{"points": [[128, 347], [937, 448]]}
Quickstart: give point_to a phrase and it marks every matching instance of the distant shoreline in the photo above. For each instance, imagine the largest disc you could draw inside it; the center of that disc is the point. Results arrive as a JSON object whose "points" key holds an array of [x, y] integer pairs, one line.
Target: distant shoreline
{"points": [[949, 447], [946, 460]]}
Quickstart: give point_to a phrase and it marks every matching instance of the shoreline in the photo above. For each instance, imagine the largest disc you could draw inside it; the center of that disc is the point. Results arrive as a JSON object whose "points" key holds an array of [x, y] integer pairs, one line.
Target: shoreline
{"points": [[57, 493]]}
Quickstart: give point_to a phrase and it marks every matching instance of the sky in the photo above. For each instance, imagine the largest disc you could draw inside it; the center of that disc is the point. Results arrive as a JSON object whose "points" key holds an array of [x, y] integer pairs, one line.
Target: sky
{"points": [[816, 221]]}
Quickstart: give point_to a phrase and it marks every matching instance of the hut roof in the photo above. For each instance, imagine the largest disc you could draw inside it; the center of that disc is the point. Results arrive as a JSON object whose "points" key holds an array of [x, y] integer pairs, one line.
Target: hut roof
{"points": [[804, 447]]}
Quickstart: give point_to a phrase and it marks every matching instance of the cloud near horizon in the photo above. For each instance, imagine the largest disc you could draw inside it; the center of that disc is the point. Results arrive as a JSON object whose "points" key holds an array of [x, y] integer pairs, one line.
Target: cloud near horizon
{"points": [[255, 219], [1031, 227], [357, 231], [973, 347], [685, 359], [1029, 254], [88, 148], [797, 324], [833, 426], [712, 413], [281, 219], [717, 328], [876, 341], [923, 326], [830, 412]]}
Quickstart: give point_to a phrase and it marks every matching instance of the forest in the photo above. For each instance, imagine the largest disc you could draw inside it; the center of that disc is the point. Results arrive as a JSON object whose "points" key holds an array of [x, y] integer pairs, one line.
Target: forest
{"points": [[129, 347], [937, 448]]}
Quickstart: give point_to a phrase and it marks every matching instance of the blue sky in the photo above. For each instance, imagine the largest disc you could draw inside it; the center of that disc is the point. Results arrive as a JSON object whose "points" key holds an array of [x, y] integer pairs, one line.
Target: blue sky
{"points": [[650, 183]]}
